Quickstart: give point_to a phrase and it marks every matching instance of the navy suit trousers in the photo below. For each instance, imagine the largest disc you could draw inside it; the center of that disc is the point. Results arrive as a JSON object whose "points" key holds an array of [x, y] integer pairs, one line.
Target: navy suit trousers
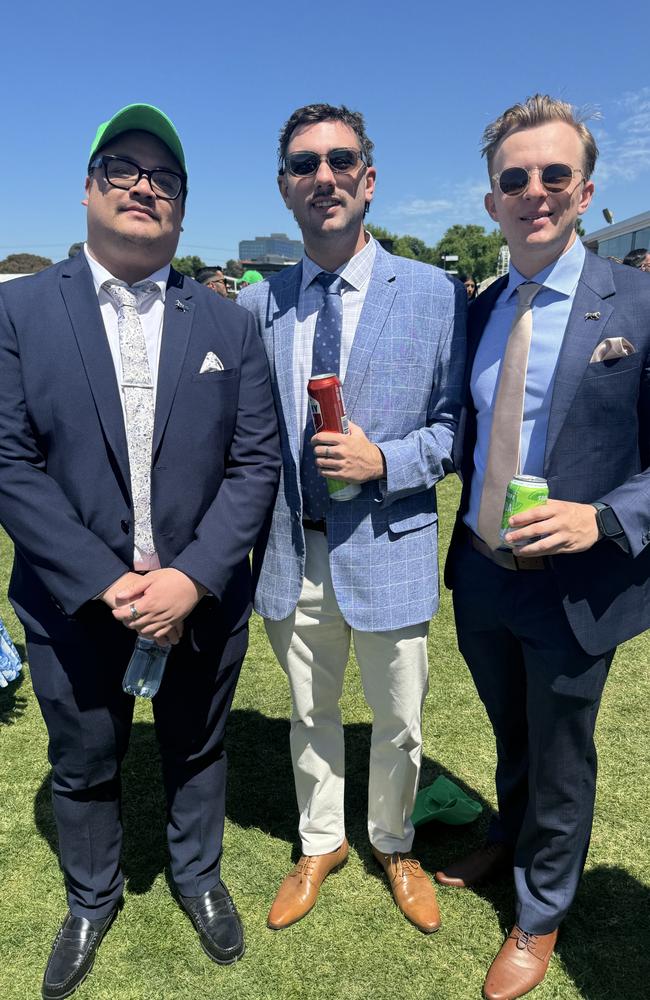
{"points": [[88, 717], [542, 692]]}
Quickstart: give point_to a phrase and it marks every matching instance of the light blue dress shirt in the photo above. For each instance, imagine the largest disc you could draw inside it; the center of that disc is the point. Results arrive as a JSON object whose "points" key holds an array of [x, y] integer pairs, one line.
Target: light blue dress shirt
{"points": [[551, 307]]}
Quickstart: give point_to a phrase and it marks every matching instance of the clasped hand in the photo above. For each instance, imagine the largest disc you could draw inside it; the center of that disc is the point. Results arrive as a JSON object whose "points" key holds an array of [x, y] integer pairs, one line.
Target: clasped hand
{"points": [[163, 598], [566, 526], [351, 457]]}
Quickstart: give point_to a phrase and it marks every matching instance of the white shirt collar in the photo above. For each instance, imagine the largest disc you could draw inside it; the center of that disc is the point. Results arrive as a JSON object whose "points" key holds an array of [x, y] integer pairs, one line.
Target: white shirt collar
{"points": [[355, 272], [100, 274]]}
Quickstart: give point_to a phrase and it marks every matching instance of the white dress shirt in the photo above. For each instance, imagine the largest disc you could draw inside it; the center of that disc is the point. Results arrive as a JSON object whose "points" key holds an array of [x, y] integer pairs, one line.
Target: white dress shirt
{"points": [[151, 311]]}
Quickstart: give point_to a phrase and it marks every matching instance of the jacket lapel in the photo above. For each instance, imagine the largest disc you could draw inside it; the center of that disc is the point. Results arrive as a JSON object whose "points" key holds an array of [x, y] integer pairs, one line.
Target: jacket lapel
{"points": [[177, 324], [282, 322], [479, 313], [81, 302], [376, 309], [593, 295]]}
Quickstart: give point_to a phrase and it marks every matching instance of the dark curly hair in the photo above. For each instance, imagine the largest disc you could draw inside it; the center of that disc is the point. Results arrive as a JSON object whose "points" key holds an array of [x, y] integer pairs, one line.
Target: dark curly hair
{"points": [[312, 114]]}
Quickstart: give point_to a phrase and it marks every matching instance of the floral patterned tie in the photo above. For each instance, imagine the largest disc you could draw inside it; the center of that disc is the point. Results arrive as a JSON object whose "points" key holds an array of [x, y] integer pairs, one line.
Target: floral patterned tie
{"points": [[137, 388]]}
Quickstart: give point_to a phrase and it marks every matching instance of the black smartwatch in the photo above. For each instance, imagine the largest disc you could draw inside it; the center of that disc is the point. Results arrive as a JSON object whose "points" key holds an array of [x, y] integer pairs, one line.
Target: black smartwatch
{"points": [[609, 525]]}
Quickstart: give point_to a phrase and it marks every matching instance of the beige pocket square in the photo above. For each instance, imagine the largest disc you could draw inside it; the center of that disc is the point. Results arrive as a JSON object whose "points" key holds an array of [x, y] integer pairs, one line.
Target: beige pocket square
{"points": [[612, 347], [211, 363]]}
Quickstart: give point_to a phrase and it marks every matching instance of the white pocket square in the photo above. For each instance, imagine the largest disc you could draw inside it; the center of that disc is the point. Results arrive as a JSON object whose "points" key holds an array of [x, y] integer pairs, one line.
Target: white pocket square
{"points": [[612, 347], [211, 363]]}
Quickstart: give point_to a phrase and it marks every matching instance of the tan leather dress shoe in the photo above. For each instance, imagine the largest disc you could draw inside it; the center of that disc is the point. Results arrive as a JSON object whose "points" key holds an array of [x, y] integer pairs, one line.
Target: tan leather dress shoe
{"points": [[299, 890], [480, 866], [520, 966], [412, 889]]}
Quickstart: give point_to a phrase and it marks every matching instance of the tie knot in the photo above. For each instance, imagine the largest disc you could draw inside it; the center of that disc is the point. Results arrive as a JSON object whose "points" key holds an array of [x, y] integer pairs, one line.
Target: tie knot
{"points": [[126, 295], [331, 283], [527, 292]]}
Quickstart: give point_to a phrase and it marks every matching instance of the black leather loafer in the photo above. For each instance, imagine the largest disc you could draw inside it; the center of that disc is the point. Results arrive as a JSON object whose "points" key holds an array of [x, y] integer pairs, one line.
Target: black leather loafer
{"points": [[73, 954], [217, 921]]}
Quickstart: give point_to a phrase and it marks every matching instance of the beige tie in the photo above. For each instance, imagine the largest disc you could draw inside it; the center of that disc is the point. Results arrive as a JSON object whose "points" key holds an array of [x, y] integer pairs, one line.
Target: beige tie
{"points": [[507, 416]]}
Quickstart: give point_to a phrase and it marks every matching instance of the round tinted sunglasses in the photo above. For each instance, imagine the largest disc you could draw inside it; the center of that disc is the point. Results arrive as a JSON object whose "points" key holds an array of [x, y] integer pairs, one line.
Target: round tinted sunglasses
{"points": [[554, 178], [305, 162]]}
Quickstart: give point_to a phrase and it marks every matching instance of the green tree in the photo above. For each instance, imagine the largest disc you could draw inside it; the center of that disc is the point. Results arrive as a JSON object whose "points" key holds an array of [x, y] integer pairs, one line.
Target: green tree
{"points": [[413, 247], [23, 263], [379, 232], [404, 246], [188, 265], [477, 250], [580, 229]]}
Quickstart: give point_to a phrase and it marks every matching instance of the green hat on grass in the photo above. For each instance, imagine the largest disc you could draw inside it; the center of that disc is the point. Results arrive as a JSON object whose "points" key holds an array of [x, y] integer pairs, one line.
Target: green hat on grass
{"points": [[446, 802], [144, 118]]}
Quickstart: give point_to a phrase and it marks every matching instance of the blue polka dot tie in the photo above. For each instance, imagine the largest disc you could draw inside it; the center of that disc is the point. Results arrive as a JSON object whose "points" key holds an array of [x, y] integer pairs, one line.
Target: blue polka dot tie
{"points": [[326, 357]]}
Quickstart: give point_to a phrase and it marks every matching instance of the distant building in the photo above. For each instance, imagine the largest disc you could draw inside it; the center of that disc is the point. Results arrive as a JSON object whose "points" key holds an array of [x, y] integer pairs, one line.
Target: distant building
{"points": [[618, 239], [276, 248]]}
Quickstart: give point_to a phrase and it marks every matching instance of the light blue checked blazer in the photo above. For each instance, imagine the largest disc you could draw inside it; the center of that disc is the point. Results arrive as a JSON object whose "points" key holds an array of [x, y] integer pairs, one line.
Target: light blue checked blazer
{"points": [[403, 387]]}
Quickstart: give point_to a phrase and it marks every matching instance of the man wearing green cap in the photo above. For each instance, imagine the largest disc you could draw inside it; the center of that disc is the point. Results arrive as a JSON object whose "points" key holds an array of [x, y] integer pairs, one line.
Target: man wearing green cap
{"points": [[138, 457], [250, 278]]}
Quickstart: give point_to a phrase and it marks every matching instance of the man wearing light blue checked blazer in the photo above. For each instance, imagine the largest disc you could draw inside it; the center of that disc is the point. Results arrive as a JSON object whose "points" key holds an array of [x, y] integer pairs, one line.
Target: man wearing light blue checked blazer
{"points": [[394, 331]]}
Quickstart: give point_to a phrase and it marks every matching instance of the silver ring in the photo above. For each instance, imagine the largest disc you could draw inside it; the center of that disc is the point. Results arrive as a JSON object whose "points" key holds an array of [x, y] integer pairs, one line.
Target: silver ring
{"points": [[135, 614], [327, 452]]}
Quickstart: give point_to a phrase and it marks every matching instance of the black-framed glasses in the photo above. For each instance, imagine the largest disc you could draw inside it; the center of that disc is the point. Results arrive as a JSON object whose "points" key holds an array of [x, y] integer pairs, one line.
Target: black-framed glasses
{"points": [[121, 172], [305, 162], [554, 178]]}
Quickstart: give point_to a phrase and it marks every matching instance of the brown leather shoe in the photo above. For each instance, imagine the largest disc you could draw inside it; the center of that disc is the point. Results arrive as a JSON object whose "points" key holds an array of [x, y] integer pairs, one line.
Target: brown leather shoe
{"points": [[412, 889], [520, 966], [299, 890], [480, 866]]}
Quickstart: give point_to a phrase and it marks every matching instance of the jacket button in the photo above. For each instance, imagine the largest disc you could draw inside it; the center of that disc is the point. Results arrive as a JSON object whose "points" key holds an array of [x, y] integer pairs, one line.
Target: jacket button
{"points": [[125, 525]]}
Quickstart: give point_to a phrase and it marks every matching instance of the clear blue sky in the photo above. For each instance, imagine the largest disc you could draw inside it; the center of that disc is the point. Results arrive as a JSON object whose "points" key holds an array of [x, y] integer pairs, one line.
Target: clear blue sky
{"points": [[427, 76]]}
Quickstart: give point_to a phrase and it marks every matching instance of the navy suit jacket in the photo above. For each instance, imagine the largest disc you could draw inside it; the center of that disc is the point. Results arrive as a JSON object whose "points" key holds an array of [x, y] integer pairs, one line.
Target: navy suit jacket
{"points": [[64, 469], [597, 448]]}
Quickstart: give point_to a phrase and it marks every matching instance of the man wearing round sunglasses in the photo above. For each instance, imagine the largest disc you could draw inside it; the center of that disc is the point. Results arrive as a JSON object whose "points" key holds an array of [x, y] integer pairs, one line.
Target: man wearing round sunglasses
{"points": [[559, 379], [366, 568], [138, 457]]}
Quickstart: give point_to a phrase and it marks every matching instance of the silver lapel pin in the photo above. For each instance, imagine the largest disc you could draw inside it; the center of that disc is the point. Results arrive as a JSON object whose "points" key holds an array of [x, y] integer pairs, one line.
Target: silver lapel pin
{"points": [[183, 308], [595, 315]]}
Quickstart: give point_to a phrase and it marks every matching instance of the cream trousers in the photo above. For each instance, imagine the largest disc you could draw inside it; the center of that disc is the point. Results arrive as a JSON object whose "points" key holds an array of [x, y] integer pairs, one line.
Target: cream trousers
{"points": [[312, 646]]}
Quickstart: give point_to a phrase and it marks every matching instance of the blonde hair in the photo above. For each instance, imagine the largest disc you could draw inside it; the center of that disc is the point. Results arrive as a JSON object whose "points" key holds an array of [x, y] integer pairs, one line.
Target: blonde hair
{"points": [[539, 110]]}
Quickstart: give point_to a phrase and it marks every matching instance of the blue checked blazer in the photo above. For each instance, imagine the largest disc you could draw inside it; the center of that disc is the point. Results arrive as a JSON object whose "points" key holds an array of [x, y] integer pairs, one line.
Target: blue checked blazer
{"points": [[403, 387], [597, 449]]}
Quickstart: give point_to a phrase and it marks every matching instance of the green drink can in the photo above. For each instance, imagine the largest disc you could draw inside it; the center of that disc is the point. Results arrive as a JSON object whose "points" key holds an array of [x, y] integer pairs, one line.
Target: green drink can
{"points": [[523, 493]]}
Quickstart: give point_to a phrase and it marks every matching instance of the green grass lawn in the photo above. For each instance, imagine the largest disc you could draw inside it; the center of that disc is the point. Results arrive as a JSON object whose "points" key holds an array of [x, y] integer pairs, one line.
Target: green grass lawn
{"points": [[355, 944]]}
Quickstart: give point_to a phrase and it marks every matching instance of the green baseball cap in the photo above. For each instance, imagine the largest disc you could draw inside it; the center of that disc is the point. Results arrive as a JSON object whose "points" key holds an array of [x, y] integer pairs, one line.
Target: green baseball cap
{"points": [[252, 277], [144, 118]]}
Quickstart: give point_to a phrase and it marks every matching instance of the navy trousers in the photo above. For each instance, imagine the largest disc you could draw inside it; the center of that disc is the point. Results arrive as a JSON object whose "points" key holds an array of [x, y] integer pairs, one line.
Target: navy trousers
{"points": [[541, 692], [78, 684]]}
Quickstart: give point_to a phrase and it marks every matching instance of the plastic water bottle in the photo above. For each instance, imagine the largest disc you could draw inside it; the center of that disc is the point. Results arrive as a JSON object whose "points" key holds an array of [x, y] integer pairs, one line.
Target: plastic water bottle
{"points": [[146, 668]]}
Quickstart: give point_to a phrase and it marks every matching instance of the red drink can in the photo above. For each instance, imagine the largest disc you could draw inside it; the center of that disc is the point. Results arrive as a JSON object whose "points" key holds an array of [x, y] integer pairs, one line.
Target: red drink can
{"points": [[328, 414]]}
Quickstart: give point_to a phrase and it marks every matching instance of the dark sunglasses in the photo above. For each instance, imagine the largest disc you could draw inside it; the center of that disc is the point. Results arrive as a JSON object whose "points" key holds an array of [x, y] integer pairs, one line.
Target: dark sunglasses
{"points": [[121, 172], [304, 163], [554, 178]]}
